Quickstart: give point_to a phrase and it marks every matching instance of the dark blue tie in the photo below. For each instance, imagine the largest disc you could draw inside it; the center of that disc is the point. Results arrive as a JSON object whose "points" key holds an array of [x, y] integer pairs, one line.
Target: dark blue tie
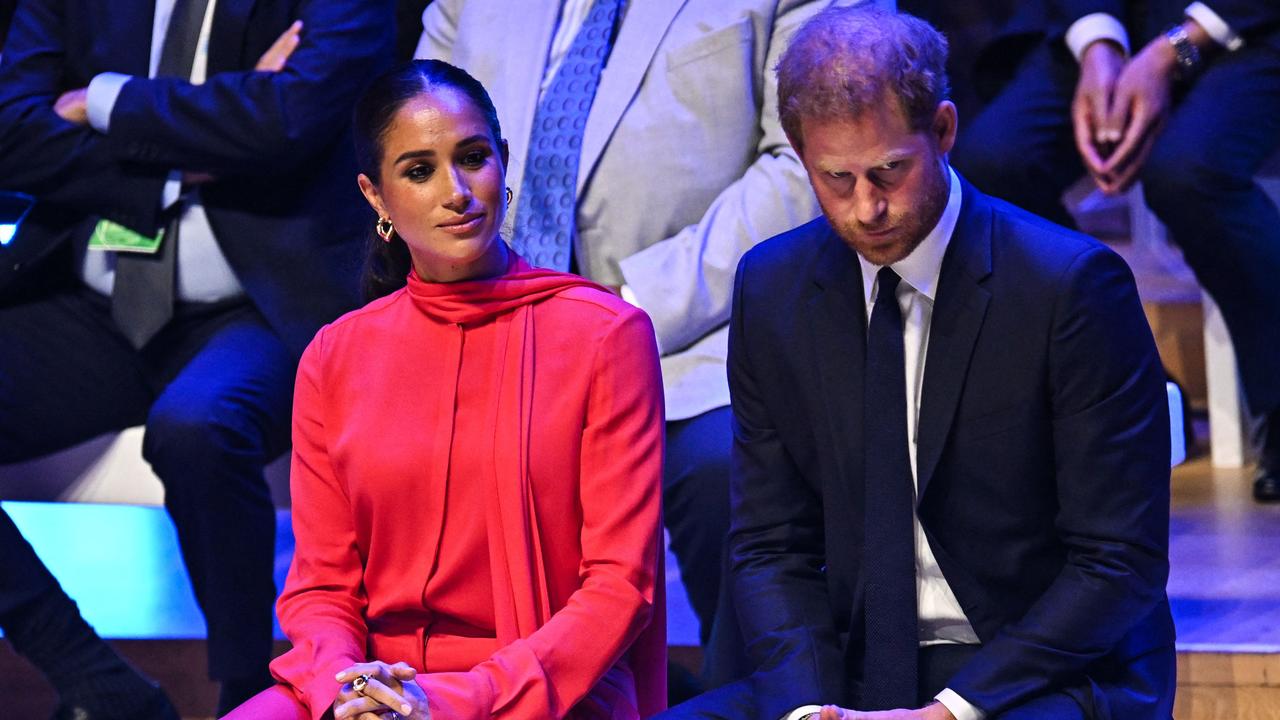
{"points": [[889, 671], [545, 216]]}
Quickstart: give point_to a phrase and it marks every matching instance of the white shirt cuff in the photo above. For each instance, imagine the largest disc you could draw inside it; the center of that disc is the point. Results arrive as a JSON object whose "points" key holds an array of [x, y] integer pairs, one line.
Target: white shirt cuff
{"points": [[1214, 26], [101, 96], [1092, 28], [802, 711], [629, 295], [961, 708]]}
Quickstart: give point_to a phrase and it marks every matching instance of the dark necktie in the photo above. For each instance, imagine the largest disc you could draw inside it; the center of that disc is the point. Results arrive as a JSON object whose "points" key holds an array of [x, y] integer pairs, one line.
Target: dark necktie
{"points": [[889, 671], [142, 295], [545, 218]]}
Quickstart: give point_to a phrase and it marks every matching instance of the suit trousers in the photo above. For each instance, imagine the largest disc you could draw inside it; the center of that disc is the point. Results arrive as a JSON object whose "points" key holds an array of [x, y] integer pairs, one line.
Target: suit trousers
{"points": [[695, 497], [1199, 180], [214, 390], [937, 664]]}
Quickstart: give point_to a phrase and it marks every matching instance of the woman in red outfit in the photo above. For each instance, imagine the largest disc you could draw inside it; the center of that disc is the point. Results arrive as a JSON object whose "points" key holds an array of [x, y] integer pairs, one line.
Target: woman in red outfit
{"points": [[477, 458]]}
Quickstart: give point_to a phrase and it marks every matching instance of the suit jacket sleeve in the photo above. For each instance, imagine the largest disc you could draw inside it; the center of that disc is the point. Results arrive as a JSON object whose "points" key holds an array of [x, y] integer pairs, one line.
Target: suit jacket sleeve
{"points": [[776, 539], [684, 282], [322, 607], [439, 30], [1249, 18], [547, 673], [1111, 457], [258, 122], [63, 164]]}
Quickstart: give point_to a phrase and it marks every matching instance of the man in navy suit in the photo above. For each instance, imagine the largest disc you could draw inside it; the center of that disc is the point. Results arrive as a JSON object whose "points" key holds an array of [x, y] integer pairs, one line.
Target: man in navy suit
{"points": [[1193, 112], [951, 479], [224, 124]]}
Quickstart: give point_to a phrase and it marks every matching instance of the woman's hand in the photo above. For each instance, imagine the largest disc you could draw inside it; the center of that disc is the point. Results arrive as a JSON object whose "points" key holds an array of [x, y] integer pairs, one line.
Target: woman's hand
{"points": [[389, 691]]}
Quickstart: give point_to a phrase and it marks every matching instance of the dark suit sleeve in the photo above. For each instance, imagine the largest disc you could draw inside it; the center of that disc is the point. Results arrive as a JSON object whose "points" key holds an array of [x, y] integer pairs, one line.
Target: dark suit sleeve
{"points": [[1111, 458], [1248, 18], [1068, 11], [259, 122], [63, 164], [776, 540]]}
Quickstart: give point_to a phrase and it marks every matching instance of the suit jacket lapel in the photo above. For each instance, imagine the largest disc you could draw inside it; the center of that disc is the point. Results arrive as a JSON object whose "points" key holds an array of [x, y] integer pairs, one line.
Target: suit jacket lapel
{"points": [[643, 28], [838, 328], [527, 35], [227, 36], [959, 309]]}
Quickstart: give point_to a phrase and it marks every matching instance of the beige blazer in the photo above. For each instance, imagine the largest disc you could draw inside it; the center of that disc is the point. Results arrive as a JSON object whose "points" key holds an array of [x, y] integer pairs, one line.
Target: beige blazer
{"points": [[684, 165]]}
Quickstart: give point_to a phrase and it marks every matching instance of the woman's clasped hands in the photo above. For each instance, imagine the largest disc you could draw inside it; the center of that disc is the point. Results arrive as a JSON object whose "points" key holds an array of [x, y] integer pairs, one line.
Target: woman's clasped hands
{"points": [[378, 691]]}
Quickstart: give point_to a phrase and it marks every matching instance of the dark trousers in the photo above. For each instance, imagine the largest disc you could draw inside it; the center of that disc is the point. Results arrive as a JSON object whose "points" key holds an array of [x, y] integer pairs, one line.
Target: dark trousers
{"points": [[695, 497], [23, 578], [937, 664], [1199, 180], [214, 390]]}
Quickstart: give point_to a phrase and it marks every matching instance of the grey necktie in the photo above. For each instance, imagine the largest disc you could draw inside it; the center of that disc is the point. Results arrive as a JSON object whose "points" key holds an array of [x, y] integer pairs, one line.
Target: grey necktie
{"points": [[142, 295], [545, 218]]}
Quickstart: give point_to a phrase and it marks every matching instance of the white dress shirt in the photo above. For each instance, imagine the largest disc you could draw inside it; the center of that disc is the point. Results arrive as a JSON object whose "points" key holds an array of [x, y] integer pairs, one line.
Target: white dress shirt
{"points": [[1103, 26], [940, 618], [203, 273]]}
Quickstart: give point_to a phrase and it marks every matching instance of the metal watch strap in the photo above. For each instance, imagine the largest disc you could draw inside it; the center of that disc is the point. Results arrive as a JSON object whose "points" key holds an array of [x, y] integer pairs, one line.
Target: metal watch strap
{"points": [[1187, 54]]}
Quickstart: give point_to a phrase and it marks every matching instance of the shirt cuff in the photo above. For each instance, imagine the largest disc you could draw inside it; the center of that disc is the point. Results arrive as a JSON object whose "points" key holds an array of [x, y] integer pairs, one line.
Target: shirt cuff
{"points": [[1214, 26], [1092, 28], [101, 96], [629, 295], [961, 708], [802, 711]]}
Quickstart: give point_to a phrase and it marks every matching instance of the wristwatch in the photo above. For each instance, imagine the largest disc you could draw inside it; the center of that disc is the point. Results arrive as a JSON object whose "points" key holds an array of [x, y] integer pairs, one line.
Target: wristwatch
{"points": [[1186, 52]]}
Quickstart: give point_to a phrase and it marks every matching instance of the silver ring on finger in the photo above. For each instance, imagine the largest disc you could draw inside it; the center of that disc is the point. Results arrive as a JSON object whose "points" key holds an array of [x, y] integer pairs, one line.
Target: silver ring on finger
{"points": [[360, 683]]}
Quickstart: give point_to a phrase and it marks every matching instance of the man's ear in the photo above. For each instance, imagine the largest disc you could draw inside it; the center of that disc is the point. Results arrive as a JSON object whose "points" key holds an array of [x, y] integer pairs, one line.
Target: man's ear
{"points": [[370, 192], [945, 124]]}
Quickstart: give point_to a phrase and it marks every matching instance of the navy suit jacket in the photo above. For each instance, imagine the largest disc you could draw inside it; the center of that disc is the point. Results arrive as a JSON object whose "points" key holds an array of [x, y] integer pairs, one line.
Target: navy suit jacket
{"points": [[1043, 463], [285, 207], [1257, 21]]}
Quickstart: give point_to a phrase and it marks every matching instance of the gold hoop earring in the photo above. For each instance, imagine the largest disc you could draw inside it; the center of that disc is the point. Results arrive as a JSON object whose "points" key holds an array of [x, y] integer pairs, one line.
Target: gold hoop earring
{"points": [[510, 195], [384, 228]]}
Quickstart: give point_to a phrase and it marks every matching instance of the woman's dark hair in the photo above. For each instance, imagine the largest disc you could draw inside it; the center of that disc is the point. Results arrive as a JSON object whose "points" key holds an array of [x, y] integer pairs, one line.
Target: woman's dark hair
{"points": [[387, 264]]}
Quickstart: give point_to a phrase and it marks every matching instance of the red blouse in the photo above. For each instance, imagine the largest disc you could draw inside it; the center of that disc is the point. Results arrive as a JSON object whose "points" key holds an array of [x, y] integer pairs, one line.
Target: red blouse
{"points": [[476, 488]]}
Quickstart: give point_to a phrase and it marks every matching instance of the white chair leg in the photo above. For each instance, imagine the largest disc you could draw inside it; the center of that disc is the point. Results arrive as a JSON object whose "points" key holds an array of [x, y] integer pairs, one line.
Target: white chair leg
{"points": [[1228, 432]]}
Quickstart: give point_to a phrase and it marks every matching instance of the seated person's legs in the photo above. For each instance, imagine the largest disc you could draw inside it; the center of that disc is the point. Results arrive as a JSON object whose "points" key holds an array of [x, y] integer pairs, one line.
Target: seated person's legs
{"points": [[1020, 147], [225, 415], [696, 513], [45, 627], [1199, 180]]}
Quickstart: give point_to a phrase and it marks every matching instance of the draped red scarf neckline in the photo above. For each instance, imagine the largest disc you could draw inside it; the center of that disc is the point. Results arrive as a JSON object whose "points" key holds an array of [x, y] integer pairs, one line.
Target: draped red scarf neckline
{"points": [[471, 301], [520, 594]]}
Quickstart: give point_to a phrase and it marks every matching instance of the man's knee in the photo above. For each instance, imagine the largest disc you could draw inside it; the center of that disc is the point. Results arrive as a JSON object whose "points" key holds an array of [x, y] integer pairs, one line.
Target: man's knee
{"points": [[200, 436], [1181, 183]]}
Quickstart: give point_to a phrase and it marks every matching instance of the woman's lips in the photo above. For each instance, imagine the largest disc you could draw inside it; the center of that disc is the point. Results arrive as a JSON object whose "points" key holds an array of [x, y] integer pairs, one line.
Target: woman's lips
{"points": [[465, 224]]}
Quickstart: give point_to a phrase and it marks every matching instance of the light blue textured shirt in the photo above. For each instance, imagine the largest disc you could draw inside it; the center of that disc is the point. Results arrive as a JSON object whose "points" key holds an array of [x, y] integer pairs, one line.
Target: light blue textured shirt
{"points": [[203, 274]]}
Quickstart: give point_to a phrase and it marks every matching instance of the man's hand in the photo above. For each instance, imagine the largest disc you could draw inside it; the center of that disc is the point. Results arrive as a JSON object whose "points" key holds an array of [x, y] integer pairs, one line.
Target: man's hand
{"points": [[274, 59], [73, 106], [1141, 105], [390, 689], [1100, 66], [933, 711]]}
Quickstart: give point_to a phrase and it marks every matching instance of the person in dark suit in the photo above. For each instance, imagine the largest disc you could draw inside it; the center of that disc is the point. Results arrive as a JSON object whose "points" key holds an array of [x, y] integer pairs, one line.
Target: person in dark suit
{"points": [[951, 443], [195, 223], [1193, 114]]}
